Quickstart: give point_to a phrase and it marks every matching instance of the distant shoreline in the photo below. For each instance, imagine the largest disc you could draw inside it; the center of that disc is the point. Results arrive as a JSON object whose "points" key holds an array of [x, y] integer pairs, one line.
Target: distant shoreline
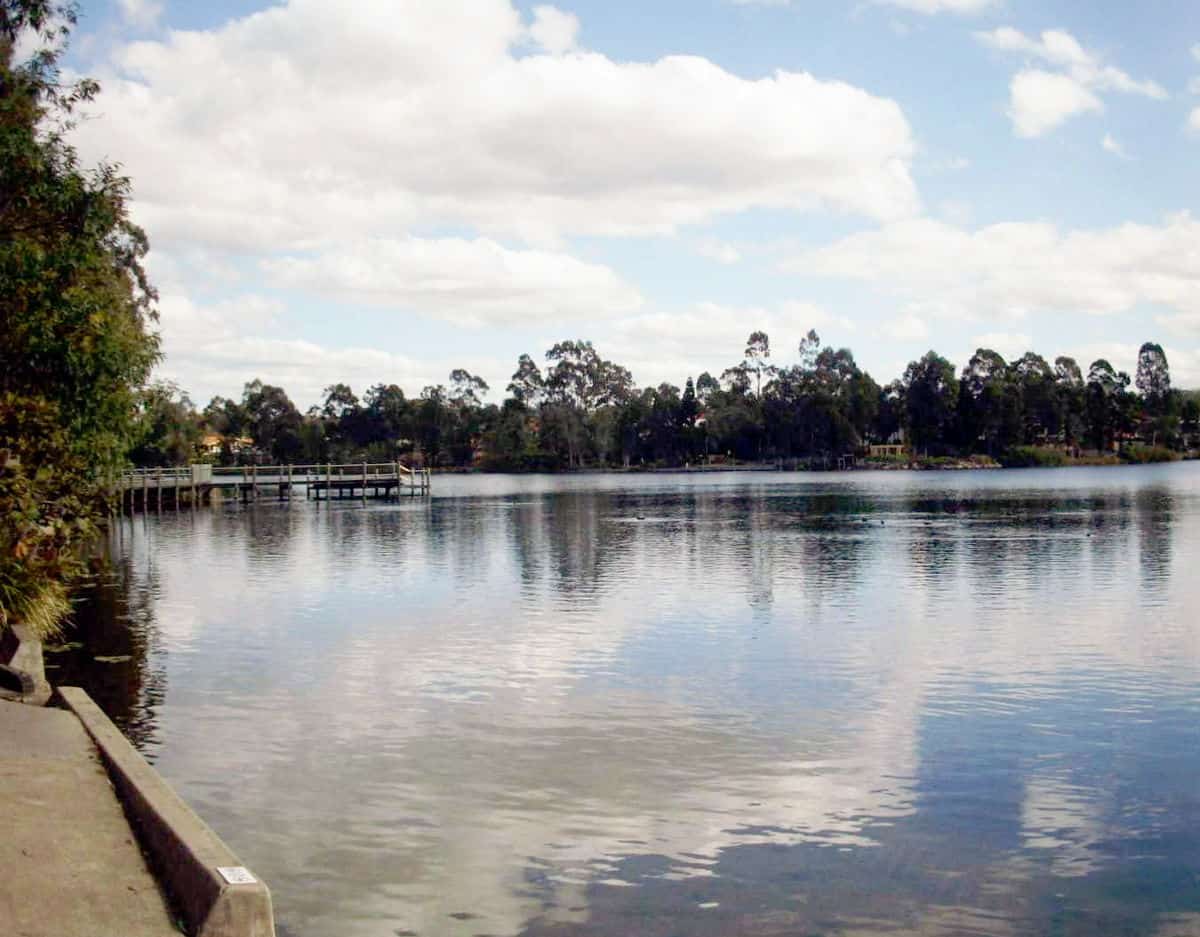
{"points": [[957, 465]]}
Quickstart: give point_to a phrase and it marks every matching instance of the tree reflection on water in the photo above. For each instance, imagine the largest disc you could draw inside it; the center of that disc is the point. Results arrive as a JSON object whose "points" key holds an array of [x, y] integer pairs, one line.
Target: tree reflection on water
{"points": [[771, 705]]}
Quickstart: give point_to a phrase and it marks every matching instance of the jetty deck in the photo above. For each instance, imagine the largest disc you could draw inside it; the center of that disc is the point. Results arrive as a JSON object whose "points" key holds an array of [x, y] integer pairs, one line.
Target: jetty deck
{"points": [[151, 488]]}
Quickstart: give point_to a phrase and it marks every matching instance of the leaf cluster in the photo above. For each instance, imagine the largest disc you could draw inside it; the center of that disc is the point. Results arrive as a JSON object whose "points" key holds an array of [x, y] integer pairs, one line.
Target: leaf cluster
{"points": [[75, 310]]}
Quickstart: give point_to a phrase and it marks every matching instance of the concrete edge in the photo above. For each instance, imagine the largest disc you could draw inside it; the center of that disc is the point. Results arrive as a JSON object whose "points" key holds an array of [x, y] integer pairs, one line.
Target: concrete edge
{"points": [[22, 653], [185, 853]]}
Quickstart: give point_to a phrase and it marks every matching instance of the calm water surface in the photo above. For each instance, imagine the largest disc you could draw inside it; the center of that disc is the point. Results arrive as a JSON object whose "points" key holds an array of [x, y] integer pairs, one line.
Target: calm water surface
{"points": [[877, 703]]}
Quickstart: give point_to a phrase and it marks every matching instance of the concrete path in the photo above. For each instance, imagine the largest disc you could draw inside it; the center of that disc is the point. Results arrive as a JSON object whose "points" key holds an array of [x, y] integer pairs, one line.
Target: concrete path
{"points": [[69, 863]]}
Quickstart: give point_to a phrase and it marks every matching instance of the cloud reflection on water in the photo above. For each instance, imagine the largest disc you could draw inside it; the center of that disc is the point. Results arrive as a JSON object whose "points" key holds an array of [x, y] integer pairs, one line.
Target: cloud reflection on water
{"points": [[916, 699]]}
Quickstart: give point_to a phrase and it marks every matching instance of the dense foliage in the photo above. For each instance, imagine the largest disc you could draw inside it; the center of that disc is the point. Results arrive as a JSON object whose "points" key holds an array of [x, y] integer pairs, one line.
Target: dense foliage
{"points": [[580, 409], [74, 304]]}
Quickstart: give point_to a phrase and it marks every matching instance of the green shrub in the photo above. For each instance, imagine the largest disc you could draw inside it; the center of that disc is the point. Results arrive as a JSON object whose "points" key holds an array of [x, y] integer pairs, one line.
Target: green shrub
{"points": [[74, 308], [1032, 457], [47, 507], [1141, 455]]}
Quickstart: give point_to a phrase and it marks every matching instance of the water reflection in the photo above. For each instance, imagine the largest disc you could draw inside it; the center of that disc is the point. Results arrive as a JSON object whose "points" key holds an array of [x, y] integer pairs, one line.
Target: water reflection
{"points": [[753, 704]]}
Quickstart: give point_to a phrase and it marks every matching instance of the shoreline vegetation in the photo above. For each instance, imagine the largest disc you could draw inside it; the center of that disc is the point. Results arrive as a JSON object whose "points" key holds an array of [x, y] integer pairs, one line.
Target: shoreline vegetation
{"points": [[583, 412], [74, 309], [1026, 457]]}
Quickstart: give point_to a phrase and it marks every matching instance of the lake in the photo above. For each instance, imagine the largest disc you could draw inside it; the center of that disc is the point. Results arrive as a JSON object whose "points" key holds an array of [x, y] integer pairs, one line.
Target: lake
{"points": [[765, 704]]}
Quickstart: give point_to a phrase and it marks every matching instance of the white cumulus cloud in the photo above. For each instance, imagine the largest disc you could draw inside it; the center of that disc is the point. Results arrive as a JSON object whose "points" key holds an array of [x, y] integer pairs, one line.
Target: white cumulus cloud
{"points": [[141, 13], [930, 7], [1041, 100], [1013, 270], [1111, 144], [1010, 345], [469, 282], [908, 327], [215, 348], [719, 251], [708, 336], [553, 30], [927, 7], [299, 124]]}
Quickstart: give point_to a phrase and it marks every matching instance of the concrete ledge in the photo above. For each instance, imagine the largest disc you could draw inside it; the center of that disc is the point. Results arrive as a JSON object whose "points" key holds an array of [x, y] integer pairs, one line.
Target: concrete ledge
{"points": [[22, 654], [184, 852], [15, 684]]}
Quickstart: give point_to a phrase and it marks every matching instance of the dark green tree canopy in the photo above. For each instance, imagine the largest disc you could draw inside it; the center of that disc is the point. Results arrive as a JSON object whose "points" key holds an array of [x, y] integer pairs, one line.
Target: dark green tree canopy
{"points": [[930, 399], [75, 306]]}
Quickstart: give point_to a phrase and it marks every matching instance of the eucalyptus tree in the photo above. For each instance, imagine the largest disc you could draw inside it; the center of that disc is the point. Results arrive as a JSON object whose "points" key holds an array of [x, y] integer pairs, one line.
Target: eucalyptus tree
{"points": [[736, 380], [660, 429], [469, 419], [466, 389], [828, 403], [1106, 389], [930, 399], [756, 357], [1035, 384], [167, 427], [273, 421], [706, 386], [527, 385], [387, 413], [431, 419], [1153, 377], [982, 396], [578, 384], [689, 413], [1162, 405], [1068, 380], [339, 400], [889, 408]]}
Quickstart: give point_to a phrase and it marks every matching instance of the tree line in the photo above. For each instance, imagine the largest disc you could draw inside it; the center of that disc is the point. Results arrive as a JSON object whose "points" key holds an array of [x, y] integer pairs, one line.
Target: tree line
{"points": [[579, 409]]}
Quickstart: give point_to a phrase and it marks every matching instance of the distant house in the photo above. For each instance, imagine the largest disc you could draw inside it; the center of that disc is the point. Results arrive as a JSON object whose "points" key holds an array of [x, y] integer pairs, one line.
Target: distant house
{"points": [[215, 443], [887, 451]]}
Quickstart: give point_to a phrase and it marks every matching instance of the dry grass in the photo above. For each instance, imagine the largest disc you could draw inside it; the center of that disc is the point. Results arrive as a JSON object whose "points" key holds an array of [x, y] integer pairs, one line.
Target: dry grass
{"points": [[42, 613]]}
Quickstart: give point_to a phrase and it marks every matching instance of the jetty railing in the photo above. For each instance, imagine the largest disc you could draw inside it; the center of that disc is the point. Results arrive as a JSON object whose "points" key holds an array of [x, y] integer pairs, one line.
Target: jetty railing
{"points": [[197, 481]]}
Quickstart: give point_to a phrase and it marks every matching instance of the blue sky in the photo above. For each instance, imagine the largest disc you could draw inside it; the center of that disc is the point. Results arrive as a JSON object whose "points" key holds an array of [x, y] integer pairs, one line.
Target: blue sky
{"points": [[386, 191]]}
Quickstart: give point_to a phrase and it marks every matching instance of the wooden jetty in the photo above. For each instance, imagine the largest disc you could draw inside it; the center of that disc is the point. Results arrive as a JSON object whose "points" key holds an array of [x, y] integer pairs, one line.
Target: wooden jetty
{"points": [[149, 489]]}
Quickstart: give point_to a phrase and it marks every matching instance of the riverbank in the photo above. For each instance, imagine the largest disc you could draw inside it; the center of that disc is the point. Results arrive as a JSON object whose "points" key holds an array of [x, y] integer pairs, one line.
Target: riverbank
{"points": [[1034, 458], [71, 863], [95, 842], [92, 839]]}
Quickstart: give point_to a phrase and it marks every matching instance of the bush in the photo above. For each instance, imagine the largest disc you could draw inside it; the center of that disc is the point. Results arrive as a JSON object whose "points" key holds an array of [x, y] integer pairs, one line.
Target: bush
{"points": [[46, 511], [1032, 457], [1141, 455], [74, 309]]}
